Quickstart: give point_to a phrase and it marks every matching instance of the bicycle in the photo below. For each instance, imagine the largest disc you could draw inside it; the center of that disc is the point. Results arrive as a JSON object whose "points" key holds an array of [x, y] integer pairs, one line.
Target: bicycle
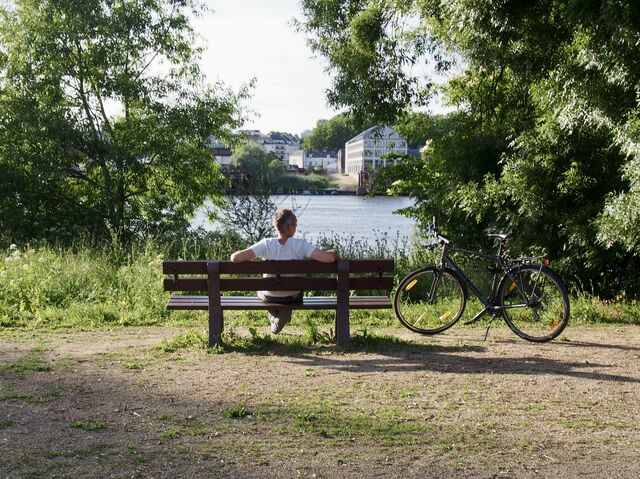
{"points": [[531, 297]]}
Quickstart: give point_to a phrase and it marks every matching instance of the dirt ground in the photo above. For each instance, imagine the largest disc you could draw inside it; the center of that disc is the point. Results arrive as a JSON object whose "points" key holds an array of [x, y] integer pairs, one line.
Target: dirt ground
{"points": [[111, 404]]}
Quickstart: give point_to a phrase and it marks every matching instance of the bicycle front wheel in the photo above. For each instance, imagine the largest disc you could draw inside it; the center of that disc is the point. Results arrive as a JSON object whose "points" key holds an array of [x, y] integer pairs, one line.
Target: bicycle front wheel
{"points": [[535, 302], [428, 301]]}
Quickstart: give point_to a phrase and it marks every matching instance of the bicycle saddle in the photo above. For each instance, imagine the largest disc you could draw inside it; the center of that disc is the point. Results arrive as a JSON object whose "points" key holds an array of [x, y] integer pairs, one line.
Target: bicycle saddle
{"points": [[501, 236]]}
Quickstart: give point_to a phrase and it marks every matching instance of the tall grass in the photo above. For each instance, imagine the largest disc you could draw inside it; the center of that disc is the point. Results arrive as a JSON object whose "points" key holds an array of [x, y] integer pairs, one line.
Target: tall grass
{"points": [[87, 286], [82, 286]]}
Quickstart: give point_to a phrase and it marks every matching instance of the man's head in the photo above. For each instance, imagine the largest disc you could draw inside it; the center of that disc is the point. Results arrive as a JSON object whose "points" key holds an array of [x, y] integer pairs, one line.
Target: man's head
{"points": [[285, 222]]}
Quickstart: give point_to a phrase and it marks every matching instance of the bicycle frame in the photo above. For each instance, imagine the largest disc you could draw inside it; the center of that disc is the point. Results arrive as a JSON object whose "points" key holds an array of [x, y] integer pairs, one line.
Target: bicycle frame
{"points": [[500, 266]]}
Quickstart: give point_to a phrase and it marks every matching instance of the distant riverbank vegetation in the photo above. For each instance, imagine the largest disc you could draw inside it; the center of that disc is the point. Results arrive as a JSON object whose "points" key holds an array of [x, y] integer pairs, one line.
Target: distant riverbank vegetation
{"points": [[258, 171]]}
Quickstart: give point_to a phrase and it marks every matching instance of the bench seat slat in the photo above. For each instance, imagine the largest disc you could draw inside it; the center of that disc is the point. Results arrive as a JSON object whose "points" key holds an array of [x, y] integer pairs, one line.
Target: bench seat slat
{"points": [[253, 303]]}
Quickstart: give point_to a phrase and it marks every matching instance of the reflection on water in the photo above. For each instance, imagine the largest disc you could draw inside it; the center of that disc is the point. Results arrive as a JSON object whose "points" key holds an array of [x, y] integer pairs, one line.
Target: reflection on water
{"points": [[364, 218]]}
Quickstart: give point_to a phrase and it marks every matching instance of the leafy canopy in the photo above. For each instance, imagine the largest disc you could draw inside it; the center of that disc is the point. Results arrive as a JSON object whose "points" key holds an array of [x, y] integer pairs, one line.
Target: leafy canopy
{"points": [[545, 139], [332, 134], [105, 118]]}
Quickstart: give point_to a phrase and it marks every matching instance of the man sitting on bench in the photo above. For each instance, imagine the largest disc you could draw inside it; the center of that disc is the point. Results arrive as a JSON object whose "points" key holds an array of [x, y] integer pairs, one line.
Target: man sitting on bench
{"points": [[284, 247]]}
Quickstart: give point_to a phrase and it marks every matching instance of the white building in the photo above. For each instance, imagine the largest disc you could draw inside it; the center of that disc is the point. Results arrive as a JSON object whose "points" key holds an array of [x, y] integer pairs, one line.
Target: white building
{"points": [[221, 151], [315, 160], [364, 151], [280, 144]]}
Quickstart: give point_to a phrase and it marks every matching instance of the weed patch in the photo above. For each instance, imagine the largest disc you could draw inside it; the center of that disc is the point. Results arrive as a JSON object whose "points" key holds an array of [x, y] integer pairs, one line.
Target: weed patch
{"points": [[237, 412], [5, 423], [173, 433], [188, 340], [88, 425], [27, 398], [33, 362]]}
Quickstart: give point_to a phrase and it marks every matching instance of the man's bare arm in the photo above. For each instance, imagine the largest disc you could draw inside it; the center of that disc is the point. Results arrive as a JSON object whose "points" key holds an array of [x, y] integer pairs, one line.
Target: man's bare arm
{"points": [[243, 255], [325, 256]]}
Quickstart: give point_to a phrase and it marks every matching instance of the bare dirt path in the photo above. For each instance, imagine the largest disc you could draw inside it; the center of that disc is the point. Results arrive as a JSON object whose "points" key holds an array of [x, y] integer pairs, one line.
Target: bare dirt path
{"points": [[112, 404]]}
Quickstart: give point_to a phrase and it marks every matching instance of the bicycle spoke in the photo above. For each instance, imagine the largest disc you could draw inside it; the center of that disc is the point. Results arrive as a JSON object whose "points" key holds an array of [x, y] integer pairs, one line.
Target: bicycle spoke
{"points": [[429, 301], [538, 308]]}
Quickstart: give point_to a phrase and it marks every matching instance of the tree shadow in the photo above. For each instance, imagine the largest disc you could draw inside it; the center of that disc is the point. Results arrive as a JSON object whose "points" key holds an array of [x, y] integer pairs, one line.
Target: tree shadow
{"points": [[588, 344], [449, 360], [396, 355], [258, 344]]}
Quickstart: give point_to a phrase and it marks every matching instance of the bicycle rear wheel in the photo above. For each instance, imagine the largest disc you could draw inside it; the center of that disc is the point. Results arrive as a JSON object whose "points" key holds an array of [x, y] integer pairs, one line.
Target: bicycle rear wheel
{"points": [[536, 302], [428, 301]]}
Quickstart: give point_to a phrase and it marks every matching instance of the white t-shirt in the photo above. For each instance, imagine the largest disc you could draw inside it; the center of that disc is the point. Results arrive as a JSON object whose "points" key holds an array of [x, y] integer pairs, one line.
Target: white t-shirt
{"points": [[271, 249]]}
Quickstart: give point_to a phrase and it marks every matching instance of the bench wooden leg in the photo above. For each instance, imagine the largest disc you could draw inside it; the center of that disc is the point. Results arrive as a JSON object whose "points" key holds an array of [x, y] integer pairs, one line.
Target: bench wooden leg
{"points": [[215, 328], [215, 308], [342, 310], [342, 327]]}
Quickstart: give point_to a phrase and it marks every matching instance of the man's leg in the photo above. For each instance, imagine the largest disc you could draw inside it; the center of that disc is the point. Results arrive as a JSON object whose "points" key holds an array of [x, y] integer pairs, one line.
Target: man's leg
{"points": [[278, 318]]}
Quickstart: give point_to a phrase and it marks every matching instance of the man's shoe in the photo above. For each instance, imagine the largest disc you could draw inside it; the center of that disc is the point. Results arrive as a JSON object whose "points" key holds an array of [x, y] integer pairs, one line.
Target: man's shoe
{"points": [[277, 323]]}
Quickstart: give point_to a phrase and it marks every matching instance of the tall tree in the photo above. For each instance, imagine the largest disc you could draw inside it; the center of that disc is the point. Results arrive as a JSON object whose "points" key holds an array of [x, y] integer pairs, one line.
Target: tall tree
{"points": [[332, 134], [547, 132], [105, 118]]}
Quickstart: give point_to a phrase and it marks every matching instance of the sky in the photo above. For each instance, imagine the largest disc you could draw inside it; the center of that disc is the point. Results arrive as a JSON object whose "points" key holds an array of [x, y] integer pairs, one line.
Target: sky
{"points": [[254, 38]]}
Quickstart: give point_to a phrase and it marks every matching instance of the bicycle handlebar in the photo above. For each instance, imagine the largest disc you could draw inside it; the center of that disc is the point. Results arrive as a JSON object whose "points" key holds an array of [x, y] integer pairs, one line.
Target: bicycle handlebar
{"points": [[443, 240]]}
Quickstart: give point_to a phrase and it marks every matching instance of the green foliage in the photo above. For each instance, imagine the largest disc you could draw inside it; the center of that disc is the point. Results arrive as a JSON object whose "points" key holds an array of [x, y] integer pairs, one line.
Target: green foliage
{"points": [[255, 163], [418, 127], [181, 341], [105, 119], [250, 214], [545, 138], [86, 287], [264, 175], [370, 47], [88, 425], [52, 286], [310, 181], [332, 134]]}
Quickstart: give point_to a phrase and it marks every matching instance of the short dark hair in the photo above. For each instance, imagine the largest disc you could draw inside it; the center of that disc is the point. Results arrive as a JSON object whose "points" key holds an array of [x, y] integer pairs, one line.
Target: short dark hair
{"points": [[282, 218]]}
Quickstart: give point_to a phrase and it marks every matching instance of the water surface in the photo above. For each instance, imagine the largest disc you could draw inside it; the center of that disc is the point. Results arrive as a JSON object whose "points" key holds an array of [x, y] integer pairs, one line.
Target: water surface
{"points": [[324, 215]]}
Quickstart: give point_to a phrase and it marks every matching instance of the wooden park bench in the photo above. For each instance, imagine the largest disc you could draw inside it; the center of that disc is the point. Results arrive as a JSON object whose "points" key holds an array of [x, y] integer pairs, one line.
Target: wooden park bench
{"points": [[216, 277]]}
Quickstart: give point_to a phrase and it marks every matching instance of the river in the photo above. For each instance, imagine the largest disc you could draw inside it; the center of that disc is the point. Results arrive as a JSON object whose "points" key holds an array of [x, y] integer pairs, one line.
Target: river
{"points": [[327, 215]]}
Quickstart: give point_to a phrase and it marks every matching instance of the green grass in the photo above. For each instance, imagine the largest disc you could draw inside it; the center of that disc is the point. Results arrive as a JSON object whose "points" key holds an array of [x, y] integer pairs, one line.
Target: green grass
{"points": [[88, 425], [237, 412], [88, 288], [172, 433], [32, 362], [5, 423], [264, 343]]}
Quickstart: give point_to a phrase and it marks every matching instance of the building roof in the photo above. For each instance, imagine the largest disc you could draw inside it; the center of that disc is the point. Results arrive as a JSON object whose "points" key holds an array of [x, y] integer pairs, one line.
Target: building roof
{"points": [[275, 137], [377, 130], [321, 154]]}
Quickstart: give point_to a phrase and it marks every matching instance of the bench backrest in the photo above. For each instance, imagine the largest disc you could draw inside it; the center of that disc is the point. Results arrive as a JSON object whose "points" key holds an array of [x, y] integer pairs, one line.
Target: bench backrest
{"points": [[350, 274]]}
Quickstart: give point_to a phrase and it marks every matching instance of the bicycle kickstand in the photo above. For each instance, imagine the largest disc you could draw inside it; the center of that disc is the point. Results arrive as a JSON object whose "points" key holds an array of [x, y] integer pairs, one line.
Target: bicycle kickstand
{"points": [[493, 316]]}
